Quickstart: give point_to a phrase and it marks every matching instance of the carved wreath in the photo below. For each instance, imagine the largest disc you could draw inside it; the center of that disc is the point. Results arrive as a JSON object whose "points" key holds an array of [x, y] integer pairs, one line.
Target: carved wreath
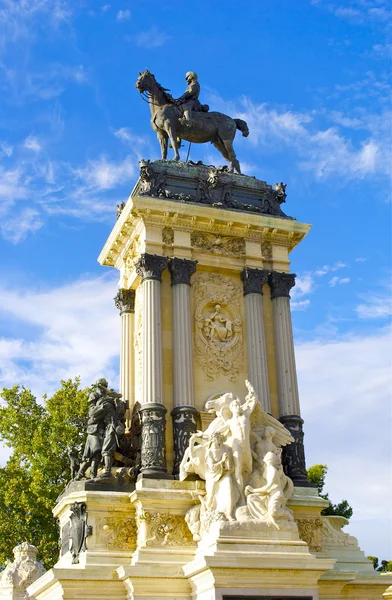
{"points": [[218, 335]]}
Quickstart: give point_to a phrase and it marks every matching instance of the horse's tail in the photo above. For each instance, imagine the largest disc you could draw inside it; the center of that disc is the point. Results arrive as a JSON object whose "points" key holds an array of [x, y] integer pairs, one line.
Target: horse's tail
{"points": [[242, 126]]}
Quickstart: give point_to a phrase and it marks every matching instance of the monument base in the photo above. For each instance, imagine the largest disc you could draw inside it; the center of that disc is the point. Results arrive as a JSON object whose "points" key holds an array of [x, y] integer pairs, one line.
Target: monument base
{"points": [[138, 547]]}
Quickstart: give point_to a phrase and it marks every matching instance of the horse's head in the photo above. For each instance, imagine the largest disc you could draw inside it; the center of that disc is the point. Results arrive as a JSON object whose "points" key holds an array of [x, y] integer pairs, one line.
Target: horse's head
{"points": [[145, 81], [215, 404]]}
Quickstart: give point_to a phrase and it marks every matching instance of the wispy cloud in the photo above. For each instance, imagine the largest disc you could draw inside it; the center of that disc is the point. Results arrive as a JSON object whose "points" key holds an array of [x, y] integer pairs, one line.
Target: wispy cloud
{"points": [[32, 143], [151, 38], [338, 280], [123, 15], [15, 229], [376, 306], [103, 174]]}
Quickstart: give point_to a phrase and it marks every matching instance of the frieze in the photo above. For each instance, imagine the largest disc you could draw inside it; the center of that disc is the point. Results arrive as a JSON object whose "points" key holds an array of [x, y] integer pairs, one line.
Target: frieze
{"points": [[310, 531], [218, 336], [210, 185], [117, 532], [168, 236], [217, 244], [163, 529]]}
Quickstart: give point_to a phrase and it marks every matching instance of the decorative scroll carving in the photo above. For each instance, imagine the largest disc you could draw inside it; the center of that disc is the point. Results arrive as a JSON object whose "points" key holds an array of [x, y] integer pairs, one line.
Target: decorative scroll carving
{"points": [[125, 301], [218, 338], [216, 244], [184, 425], [181, 270], [294, 455], [164, 529], [117, 532], [332, 535], [253, 280], [151, 266], [153, 452], [281, 284], [310, 531], [168, 236]]}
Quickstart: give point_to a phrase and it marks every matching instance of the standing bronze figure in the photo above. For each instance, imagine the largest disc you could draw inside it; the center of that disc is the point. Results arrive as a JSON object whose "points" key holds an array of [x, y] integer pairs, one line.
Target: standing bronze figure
{"points": [[176, 120]]}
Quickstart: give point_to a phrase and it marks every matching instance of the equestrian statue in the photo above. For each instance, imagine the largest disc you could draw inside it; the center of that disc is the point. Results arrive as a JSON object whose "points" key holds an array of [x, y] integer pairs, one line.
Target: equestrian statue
{"points": [[187, 119]]}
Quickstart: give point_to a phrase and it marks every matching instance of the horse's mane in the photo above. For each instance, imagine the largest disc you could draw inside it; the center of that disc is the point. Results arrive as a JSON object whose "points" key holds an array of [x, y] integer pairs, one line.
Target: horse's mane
{"points": [[169, 97]]}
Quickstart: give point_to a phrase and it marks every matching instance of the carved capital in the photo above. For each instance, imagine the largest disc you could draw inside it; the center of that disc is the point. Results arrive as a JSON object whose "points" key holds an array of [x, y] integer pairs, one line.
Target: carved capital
{"points": [[151, 266], [293, 455], [181, 270], [153, 447], [253, 280], [281, 284], [125, 301], [184, 424]]}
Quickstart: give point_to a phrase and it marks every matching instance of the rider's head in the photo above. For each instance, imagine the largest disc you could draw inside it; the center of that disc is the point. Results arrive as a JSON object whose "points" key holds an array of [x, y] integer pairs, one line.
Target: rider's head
{"points": [[190, 76]]}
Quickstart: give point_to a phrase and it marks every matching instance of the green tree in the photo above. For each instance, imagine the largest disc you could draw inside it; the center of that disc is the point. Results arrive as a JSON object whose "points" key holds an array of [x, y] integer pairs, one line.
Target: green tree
{"points": [[38, 468], [385, 567], [317, 475]]}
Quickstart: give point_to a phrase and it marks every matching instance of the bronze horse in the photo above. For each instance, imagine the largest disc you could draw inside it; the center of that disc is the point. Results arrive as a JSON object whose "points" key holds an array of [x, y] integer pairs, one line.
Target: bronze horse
{"points": [[212, 127]]}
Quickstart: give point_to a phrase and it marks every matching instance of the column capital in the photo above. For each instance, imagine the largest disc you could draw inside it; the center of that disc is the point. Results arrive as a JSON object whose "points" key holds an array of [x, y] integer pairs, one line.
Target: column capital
{"points": [[253, 280], [125, 301], [281, 284], [151, 266], [181, 270]]}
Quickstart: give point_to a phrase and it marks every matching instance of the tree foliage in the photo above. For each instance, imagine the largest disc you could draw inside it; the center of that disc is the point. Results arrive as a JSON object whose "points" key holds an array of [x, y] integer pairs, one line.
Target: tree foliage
{"points": [[317, 475], [38, 468], [385, 567]]}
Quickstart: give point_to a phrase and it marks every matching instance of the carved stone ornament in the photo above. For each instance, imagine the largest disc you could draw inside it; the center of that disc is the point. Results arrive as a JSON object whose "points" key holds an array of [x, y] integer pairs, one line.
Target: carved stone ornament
{"points": [[266, 251], [310, 531], [152, 182], [117, 532], [153, 450], [163, 529], [184, 425], [217, 244], [253, 280], [22, 572], [125, 301], [181, 270], [333, 536], [151, 266], [281, 284], [239, 458], [79, 530], [293, 458], [168, 236], [218, 336]]}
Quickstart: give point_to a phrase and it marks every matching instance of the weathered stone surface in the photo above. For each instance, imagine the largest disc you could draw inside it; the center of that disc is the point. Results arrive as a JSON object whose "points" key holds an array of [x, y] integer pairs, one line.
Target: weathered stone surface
{"points": [[22, 572]]}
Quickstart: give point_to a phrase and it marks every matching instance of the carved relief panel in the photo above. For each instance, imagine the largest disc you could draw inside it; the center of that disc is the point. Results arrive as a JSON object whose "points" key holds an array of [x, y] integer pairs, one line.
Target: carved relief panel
{"points": [[218, 339]]}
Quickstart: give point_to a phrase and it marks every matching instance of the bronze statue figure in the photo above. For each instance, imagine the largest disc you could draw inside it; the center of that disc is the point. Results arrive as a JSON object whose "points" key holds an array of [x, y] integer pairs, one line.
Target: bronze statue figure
{"points": [[187, 119]]}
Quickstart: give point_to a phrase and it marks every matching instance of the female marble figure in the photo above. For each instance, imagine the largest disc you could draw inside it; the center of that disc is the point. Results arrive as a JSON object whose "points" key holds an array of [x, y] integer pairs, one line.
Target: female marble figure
{"points": [[217, 326], [221, 490], [270, 499]]}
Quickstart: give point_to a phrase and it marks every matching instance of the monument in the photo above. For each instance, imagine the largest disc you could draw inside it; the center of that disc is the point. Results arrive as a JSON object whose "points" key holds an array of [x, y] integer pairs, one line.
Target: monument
{"points": [[192, 484]]}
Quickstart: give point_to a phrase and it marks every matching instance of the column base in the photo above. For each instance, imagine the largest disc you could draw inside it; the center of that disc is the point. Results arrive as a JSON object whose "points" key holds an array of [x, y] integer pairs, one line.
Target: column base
{"points": [[184, 424], [293, 455], [153, 449]]}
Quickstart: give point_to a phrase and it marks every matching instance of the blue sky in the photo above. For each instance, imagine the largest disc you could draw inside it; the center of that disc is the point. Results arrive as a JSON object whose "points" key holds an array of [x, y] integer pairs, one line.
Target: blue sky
{"points": [[312, 79]]}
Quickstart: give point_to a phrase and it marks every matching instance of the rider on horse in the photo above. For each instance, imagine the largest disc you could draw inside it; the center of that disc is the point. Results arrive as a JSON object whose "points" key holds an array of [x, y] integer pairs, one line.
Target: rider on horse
{"points": [[189, 101]]}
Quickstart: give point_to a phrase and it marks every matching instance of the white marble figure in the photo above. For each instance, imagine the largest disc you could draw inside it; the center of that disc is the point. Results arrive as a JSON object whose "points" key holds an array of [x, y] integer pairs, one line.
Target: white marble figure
{"points": [[239, 457], [22, 572]]}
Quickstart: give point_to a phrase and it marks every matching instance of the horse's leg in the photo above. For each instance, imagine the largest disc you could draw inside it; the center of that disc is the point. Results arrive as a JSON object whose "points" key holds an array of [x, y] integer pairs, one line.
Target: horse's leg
{"points": [[234, 164], [163, 139], [220, 146], [171, 132]]}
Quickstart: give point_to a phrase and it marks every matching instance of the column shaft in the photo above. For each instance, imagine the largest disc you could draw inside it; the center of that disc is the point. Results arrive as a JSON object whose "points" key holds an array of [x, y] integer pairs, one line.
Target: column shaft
{"points": [[152, 342], [125, 302], [257, 353]]}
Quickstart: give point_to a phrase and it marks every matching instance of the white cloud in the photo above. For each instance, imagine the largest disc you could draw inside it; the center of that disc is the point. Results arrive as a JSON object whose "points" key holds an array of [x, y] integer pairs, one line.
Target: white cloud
{"points": [[338, 280], [32, 143], [103, 174], [376, 307], [300, 305], [6, 149], [15, 229], [70, 330], [123, 15], [151, 38], [345, 384]]}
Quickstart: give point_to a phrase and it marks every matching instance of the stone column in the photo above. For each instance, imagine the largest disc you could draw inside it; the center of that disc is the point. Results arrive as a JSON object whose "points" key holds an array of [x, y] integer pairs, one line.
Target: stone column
{"points": [[253, 281], [184, 414], [289, 410], [152, 411], [125, 302]]}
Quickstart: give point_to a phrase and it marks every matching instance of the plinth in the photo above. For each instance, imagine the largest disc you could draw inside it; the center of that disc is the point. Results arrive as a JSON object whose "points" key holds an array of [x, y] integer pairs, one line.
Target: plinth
{"points": [[204, 299]]}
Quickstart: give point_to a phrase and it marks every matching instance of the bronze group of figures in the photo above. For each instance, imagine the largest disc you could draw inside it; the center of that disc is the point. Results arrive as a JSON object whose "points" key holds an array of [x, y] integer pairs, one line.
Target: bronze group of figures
{"points": [[108, 443]]}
